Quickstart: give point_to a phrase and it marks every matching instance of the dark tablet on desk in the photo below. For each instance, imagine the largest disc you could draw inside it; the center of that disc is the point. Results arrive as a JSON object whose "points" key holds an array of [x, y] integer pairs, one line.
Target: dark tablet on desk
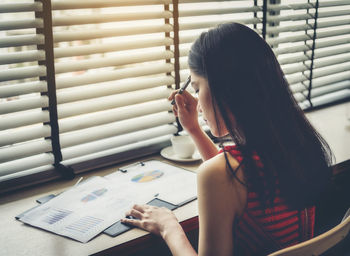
{"points": [[119, 228]]}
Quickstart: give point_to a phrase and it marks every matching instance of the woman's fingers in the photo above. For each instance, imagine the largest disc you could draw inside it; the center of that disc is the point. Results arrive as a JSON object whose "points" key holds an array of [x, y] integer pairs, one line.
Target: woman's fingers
{"points": [[181, 106], [134, 213], [133, 222], [154, 219], [187, 96], [172, 95], [179, 100], [137, 212], [140, 208], [175, 111]]}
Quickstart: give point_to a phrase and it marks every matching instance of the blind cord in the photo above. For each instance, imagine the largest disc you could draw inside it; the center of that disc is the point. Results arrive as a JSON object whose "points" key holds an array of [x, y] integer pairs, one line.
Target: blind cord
{"points": [[264, 9], [176, 53], [46, 15], [312, 55]]}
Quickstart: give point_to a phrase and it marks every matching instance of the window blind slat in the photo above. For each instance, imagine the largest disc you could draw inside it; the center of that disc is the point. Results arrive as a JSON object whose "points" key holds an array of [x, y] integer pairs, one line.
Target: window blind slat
{"points": [[23, 104], [329, 61], [24, 118], [321, 81], [24, 164], [294, 59], [110, 47], [154, 143], [296, 17], [9, 137], [18, 151], [200, 1], [310, 25], [109, 17], [317, 54], [104, 76], [206, 24], [316, 92], [110, 32], [21, 24], [330, 78], [330, 97], [305, 47], [100, 90], [296, 78], [12, 41], [188, 38], [117, 60], [217, 11], [22, 88], [21, 73], [113, 101], [300, 87], [117, 141], [319, 72], [299, 97], [20, 7], [67, 5], [318, 63], [112, 115], [291, 49], [19, 57], [298, 38], [301, 6], [115, 129], [295, 69], [325, 71]]}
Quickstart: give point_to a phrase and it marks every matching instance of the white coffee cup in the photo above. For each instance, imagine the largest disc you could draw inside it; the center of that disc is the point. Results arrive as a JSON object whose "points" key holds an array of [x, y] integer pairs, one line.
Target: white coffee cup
{"points": [[183, 146]]}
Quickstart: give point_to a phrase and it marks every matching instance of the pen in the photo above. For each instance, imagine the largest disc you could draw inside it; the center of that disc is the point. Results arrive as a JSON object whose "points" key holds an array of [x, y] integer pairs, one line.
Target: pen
{"points": [[76, 184], [182, 88]]}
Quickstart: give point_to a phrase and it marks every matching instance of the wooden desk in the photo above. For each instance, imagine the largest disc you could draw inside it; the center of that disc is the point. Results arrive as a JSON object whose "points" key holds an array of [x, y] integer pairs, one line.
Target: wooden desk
{"points": [[20, 239], [333, 125]]}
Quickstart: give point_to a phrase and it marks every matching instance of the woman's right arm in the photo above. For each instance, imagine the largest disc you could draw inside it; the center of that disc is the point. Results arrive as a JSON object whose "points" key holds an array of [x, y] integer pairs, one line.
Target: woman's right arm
{"points": [[185, 108]]}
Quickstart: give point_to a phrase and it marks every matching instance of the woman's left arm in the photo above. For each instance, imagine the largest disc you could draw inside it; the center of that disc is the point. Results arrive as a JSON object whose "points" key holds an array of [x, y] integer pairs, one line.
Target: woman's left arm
{"points": [[221, 199]]}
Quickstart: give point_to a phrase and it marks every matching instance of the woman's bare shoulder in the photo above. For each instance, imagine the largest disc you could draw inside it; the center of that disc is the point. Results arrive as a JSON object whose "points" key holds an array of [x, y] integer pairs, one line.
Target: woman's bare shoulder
{"points": [[215, 179]]}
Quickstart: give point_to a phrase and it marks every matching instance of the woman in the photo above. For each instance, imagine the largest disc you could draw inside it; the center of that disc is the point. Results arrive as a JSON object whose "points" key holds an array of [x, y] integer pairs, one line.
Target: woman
{"points": [[259, 195]]}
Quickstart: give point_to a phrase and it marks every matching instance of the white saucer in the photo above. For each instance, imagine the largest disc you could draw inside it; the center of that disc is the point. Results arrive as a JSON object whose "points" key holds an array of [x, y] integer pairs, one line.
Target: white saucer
{"points": [[168, 153]]}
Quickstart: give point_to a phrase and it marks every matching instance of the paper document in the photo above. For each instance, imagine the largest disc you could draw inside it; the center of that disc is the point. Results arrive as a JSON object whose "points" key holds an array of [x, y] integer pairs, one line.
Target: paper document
{"points": [[84, 211], [167, 182]]}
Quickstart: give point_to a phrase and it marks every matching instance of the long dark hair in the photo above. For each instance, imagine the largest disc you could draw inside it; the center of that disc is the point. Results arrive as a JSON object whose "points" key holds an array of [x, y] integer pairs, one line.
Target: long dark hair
{"points": [[246, 81]]}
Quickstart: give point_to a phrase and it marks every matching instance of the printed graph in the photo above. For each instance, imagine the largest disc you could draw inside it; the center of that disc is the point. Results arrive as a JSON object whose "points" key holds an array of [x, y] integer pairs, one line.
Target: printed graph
{"points": [[95, 194], [147, 176], [84, 224], [55, 215]]}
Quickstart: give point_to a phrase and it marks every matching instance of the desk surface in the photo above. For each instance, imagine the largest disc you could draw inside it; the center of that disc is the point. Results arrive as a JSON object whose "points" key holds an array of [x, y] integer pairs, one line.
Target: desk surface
{"points": [[333, 124], [20, 239]]}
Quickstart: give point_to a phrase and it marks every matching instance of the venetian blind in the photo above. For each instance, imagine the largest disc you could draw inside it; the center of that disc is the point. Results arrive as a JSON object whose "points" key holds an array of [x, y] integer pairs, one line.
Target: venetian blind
{"points": [[312, 42], [25, 131], [112, 68]]}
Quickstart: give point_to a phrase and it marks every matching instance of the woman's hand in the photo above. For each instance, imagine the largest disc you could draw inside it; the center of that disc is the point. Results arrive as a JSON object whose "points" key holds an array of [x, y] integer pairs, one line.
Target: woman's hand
{"points": [[159, 221], [185, 108]]}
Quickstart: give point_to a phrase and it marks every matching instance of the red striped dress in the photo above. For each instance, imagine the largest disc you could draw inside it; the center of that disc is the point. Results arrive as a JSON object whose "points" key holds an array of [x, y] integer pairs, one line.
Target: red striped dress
{"points": [[260, 230]]}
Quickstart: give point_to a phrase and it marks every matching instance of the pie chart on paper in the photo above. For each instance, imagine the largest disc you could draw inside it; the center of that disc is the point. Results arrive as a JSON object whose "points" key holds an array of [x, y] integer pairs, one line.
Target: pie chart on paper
{"points": [[147, 176]]}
